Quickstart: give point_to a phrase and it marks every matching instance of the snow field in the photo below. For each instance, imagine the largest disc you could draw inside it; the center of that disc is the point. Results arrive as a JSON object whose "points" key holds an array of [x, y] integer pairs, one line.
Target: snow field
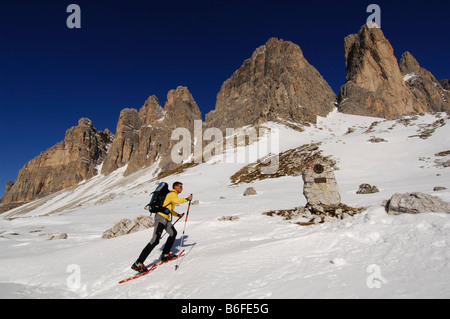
{"points": [[371, 255]]}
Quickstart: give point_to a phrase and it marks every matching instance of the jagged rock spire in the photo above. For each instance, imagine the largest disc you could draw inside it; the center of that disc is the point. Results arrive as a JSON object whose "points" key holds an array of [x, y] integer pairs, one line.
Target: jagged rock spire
{"points": [[143, 136], [426, 89], [374, 84]]}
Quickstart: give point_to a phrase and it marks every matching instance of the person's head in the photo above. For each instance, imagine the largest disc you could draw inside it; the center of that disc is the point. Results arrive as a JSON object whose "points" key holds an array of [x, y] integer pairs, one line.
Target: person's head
{"points": [[178, 187]]}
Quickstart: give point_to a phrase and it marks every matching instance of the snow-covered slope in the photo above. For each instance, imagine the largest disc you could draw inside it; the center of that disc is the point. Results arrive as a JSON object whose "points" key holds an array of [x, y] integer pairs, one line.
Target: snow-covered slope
{"points": [[371, 255]]}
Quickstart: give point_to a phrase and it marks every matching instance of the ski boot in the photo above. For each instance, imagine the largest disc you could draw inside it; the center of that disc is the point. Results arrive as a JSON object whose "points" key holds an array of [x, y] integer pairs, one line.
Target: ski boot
{"points": [[167, 257], [139, 267]]}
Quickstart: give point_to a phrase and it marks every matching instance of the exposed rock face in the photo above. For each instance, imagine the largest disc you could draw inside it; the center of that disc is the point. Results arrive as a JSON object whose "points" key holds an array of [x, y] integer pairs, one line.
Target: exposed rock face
{"points": [[180, 112], [424, 85], [374, 84], [181, 109], [290, 163], [143, 136], [66, 164], [276, 83], [126, 226], [126, 139], [311, 215]]}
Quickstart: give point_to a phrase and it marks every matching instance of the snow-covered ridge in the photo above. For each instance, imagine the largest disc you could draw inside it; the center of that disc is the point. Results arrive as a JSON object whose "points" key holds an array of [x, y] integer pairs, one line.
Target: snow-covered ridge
{"points": [[256, 256]]}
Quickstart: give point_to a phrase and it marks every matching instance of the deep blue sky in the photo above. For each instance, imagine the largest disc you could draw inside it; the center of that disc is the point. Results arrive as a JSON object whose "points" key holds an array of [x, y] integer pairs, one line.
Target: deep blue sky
{"points": [[125, 51]]}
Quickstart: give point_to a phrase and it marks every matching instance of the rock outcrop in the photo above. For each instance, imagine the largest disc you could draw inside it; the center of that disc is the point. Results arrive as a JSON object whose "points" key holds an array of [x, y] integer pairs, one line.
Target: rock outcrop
{"points": [[311, 215], [127, 226], [276, 84], [424, 85], [69, 162], [374, 84], [367, 189]]}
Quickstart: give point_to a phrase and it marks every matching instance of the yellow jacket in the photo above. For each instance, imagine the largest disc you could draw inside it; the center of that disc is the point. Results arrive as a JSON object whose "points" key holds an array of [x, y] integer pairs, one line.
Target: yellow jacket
{"points": [[170, 202]]}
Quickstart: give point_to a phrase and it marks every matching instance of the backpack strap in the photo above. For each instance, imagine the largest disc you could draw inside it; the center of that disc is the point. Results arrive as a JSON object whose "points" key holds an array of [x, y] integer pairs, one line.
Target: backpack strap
{"points": [[167, 204]]}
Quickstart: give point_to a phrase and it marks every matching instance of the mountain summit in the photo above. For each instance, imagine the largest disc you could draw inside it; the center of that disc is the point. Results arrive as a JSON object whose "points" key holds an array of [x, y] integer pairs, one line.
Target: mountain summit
{"points": [[374, 85], [424, 85], [276, 83], [143, 137]]}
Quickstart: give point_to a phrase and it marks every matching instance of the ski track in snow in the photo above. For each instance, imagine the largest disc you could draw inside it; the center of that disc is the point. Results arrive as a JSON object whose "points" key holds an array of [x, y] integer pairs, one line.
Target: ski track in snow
{"points": [[256, 256]]}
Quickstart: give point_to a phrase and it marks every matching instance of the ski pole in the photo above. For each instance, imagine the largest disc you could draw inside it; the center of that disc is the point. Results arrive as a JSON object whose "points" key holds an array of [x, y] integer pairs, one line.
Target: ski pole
{"points": [[185, 221], [178, 219], [182, 236]]}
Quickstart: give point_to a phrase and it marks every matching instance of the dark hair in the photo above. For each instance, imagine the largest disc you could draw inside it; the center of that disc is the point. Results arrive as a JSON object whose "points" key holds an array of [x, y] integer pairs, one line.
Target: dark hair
{"points": [[176, 184]]}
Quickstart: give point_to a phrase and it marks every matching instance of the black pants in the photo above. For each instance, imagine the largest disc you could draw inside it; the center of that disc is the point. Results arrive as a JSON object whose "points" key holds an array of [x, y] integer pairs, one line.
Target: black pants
{"points": [[161, 224]]}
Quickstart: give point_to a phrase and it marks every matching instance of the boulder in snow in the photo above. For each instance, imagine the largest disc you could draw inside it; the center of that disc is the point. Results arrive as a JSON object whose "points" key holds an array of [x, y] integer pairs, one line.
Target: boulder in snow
{"points": [[250, 191], [367, 189], [416, 203], [59, 236], [126, 226], [228, 218]]}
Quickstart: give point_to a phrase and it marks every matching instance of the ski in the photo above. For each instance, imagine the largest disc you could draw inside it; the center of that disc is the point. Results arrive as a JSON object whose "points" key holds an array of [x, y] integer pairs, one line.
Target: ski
{"points": [[152, 267]]}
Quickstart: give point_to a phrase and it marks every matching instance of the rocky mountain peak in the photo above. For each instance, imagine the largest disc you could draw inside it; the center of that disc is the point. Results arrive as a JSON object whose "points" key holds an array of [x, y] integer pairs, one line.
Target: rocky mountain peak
{"points": [[85, 122], [423, 85], [181, 109], [409, 64], [143, 137], [66, 164], [374, 84], [275, 84], [151, 111]]}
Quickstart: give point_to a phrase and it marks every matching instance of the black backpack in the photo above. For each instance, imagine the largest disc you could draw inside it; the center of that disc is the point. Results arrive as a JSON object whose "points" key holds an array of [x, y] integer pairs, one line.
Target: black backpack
{"points": [[157, 200]]}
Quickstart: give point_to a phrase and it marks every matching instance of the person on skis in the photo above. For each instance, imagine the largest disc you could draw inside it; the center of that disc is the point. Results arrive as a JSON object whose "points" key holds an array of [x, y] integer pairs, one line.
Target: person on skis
{"points": [[163, 221]]}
